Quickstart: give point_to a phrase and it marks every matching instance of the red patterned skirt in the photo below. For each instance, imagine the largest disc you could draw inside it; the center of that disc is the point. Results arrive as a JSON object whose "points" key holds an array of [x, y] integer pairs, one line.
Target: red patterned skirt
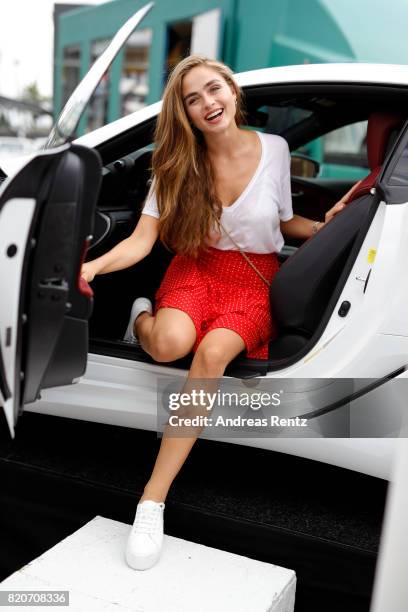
{"points": [[221, 290]]}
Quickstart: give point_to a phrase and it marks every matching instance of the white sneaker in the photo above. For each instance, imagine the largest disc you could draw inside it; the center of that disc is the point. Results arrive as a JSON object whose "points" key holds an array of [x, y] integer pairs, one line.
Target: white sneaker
{"points": [[140, 305], [146, 536]]}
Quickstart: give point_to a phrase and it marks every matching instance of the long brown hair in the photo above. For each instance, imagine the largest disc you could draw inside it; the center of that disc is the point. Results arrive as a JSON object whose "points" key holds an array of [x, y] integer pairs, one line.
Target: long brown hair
{"points": [[183, 177]]}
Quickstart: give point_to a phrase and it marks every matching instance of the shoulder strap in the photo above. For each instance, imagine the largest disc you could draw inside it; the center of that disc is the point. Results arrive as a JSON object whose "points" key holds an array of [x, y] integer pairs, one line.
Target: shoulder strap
{"points": [[245, 256]]}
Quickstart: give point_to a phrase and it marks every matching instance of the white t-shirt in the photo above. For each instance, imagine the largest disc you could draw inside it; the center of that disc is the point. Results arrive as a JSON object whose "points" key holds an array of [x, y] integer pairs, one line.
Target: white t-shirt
{"points": [[253, 220]]}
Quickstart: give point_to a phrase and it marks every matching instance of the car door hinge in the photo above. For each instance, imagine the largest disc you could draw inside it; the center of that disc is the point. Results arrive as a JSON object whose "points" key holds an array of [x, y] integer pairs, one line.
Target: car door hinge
{"points": [[57, 288], [53, 283]]}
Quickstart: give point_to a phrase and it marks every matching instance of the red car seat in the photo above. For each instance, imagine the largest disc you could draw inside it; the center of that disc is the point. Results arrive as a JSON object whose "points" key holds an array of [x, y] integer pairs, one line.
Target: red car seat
{"points": [[382, 131]]}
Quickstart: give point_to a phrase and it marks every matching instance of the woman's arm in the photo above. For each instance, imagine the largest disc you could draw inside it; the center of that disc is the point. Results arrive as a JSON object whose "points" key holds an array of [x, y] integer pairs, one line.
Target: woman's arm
{"points": [[127, 252], [300, 227]]}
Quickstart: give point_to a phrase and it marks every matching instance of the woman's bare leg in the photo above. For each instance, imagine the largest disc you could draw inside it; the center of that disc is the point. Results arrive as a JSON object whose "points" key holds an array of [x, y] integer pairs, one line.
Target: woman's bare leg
{"points": [[168, 336], [214, 353]]}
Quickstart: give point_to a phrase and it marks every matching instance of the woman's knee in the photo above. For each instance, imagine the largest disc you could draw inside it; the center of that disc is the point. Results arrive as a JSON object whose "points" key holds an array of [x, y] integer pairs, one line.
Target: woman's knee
{"points": [[211, 359], [169, 344]]}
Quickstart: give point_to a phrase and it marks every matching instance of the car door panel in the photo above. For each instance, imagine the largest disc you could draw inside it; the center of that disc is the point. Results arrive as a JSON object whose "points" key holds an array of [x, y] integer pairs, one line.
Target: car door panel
{"points": [[46, 215], [312, 198], [102, 228], [109, 226]]}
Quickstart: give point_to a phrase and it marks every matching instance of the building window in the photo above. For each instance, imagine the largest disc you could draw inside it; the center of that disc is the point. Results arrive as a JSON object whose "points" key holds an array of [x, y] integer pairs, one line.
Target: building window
{"points": [[134, 82], [201, 34], [97, 115], [71, 61], [178, 43]]}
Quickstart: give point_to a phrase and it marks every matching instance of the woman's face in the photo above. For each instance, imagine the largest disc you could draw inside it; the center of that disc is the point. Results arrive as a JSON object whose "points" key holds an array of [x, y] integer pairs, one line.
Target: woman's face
{"points": [[208, 99]]}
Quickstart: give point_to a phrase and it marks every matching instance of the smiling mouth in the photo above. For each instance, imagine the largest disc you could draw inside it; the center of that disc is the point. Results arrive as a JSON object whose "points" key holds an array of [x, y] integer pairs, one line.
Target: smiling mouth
{"points": [[214, 115]]}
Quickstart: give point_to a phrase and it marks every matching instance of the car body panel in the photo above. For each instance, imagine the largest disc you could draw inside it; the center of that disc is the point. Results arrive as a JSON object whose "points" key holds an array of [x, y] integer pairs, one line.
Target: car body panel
{"points": [[122, 392], [348, 346]]}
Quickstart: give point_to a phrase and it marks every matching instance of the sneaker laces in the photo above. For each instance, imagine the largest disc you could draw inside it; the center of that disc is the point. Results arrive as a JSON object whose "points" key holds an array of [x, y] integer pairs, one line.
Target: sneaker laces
{"points": [[147, 518], [133, 340]]}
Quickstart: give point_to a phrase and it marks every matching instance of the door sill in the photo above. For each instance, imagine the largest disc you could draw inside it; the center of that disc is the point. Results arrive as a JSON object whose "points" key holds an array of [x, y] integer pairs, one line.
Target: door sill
{"points": [[240, 367]]}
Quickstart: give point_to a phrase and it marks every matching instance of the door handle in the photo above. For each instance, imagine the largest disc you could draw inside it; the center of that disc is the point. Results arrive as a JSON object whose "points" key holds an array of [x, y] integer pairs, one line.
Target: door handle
{"points": [[364, 280]]}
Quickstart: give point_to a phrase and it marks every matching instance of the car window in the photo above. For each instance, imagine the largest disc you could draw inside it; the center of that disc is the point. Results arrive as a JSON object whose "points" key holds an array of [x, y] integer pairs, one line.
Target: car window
{"points": [[341, 153], [278, 119], [344, 152], [97, 111]]}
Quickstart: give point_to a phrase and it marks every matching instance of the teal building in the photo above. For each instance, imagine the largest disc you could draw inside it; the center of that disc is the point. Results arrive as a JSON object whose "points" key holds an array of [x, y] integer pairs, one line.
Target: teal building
{"points": [[246, 34]]}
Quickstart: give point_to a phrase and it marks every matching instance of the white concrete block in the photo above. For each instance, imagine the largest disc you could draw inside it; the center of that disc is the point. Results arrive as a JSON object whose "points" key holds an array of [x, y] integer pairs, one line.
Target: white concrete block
{"points": [[90, 565]]}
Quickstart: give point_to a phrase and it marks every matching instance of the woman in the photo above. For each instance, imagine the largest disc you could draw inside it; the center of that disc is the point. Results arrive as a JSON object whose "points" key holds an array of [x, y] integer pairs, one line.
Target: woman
{"points": [[217, 189]]}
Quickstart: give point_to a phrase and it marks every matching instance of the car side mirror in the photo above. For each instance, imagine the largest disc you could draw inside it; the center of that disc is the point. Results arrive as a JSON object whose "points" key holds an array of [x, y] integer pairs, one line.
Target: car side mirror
{"points": [[304, 167]]}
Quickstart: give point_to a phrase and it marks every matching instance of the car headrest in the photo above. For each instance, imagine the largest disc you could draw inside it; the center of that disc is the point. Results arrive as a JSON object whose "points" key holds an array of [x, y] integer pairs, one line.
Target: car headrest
{"points": [[382, 130]]}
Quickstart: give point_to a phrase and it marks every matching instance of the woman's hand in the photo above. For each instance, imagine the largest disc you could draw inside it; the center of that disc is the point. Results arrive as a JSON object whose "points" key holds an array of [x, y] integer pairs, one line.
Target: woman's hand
{"points": [[88, 272], [341, 204]]}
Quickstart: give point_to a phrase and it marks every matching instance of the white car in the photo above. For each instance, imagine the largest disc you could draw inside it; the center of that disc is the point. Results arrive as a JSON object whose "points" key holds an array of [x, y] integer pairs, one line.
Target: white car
{"points": [[339, 301]]}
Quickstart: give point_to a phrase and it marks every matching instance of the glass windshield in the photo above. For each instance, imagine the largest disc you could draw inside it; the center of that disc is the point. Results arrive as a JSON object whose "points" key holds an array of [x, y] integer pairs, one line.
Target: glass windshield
{"points": [[69, 118]]}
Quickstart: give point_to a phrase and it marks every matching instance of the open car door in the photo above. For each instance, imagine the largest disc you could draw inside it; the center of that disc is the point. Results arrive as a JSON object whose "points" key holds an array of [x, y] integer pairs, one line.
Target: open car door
{"points": [[46, 217], [46, 213]]}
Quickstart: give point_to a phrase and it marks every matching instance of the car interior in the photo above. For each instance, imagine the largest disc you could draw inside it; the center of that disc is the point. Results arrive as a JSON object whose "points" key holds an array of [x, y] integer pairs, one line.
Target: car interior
{"points": [[307, 286]]}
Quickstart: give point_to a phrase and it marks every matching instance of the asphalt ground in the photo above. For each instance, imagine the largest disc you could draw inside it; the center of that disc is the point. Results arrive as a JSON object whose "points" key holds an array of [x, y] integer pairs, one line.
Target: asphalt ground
{"points": [[322, 521]]}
